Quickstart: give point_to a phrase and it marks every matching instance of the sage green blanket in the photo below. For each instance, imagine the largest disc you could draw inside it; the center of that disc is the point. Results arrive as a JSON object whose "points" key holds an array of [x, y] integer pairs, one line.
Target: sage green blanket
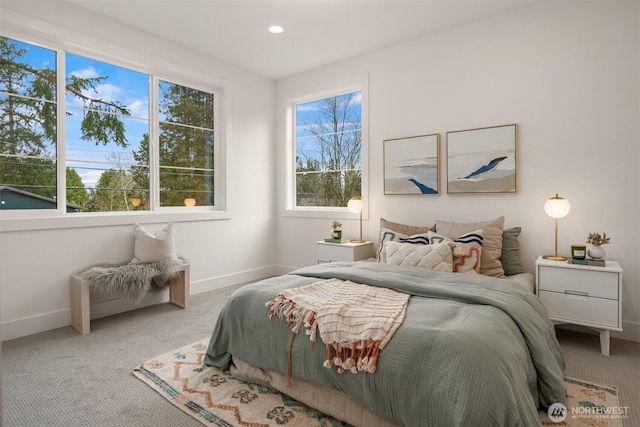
{"points": [[472, 350]]}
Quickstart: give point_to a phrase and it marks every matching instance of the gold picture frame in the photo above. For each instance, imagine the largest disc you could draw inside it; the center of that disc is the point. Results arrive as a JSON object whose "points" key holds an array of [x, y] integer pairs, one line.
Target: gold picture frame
{"points": [[412, 165], [482, 160]]}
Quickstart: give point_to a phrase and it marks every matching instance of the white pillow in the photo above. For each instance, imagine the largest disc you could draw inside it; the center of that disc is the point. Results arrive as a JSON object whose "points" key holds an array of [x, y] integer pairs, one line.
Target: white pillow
{"points": [[467, 250], [154, 247], [433, 257], [388, 235]]}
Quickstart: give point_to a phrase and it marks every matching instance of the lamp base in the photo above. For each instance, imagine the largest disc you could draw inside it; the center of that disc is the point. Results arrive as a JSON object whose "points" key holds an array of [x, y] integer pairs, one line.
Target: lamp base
{"points": [[555, 258], [356, 241]]}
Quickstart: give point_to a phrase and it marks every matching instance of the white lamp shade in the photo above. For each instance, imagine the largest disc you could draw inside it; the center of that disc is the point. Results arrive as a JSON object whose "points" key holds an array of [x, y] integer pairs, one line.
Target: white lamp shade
{"points": [[355, 205], [557, 207]]}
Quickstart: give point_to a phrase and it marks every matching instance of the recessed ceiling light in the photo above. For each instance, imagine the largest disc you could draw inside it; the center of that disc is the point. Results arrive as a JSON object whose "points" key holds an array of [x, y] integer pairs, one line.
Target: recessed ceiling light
{"points": [[276, 29]]}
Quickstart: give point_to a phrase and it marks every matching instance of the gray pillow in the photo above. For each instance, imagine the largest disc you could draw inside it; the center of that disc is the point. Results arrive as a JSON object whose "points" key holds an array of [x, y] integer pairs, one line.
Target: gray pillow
{"points": [[510, 256]]}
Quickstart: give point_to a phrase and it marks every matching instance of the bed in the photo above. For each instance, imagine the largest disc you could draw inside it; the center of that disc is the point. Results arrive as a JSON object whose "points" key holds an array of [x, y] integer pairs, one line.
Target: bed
{"points": [[471, 350]]}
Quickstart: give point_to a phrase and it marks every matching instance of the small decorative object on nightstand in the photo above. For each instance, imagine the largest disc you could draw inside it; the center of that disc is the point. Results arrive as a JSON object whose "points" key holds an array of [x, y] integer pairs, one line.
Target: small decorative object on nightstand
{"points": [[336, 230], [596, 251], [330, 252], [578, 251], [584, 295]]}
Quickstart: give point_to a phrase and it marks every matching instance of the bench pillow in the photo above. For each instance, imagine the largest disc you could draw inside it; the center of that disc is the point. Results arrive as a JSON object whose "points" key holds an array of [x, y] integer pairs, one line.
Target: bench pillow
{"points": [[158, 246]]}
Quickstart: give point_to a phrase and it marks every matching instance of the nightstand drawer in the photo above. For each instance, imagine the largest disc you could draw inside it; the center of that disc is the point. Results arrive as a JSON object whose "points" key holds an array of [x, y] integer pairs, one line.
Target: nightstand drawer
{"points": [[594, 283], [331, 252], [581, 309]]}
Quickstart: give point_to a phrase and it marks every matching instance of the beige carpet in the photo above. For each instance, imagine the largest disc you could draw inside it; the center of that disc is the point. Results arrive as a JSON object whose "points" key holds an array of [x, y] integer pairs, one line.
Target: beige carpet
{"points": [[214, 397], [61, 378]]}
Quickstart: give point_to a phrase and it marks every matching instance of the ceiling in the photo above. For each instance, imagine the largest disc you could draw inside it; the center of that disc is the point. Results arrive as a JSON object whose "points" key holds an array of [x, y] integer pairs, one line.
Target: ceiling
{"points": [[317, 32]]}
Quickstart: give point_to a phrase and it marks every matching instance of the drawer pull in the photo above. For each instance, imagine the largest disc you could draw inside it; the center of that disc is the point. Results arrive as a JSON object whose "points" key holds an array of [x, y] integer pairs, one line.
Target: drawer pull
{"points": [[577, 293]]}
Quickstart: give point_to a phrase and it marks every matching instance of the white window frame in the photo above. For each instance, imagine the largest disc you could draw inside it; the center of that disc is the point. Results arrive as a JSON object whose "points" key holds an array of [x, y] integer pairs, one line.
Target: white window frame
{"points": [[358, 83], [38, 219], [155, 145]]}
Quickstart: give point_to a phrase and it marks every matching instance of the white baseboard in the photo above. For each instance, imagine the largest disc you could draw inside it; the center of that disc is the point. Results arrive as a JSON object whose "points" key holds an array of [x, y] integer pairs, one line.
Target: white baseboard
{"points": [[34, 324], [630, 330], [102, 307], [234, 279]]}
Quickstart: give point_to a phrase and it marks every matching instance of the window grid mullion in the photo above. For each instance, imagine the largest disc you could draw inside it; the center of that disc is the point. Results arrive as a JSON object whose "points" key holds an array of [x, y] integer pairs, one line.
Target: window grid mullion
{"points": [[61, 132], [154, 144]]}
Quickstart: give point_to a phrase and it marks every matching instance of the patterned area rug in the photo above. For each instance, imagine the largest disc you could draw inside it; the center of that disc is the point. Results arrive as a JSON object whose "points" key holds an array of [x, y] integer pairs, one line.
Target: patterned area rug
{"points": [[588, 404], [216, 398]]}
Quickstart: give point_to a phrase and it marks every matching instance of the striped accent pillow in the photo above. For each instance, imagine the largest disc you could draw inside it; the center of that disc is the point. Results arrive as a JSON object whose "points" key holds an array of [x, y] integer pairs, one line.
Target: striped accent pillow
{"points": [[388, 235], [418, 239], [467, 252]]}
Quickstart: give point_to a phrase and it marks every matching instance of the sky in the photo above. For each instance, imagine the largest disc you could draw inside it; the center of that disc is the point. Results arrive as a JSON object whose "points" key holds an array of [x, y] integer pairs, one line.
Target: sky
{"points": [[307, 113], [128, 87]]}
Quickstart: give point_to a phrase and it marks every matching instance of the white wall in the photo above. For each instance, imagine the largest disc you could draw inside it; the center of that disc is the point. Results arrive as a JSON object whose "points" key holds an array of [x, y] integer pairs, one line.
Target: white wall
{"points": [[35, 265], [566, 73]]}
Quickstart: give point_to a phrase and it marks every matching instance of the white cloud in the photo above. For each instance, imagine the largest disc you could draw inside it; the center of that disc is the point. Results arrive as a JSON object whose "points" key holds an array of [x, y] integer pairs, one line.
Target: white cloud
{"points": [[107, 92], [90, 178], [139, 108], [311, 106], [87, 73]]}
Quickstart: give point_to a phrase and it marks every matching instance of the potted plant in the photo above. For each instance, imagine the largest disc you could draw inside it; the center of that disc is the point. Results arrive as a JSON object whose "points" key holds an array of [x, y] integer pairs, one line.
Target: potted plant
{"points": [[336, 230], [596, 240]]}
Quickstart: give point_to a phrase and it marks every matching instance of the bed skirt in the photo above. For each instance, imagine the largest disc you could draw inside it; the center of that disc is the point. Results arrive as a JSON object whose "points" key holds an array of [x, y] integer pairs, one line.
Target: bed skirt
{"points": [[324, 399]]}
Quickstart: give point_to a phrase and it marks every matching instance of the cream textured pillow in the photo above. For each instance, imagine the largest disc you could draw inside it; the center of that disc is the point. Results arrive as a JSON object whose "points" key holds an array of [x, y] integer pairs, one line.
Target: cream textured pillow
{"points": [[490, 264], [149, 247], [467, 250], [388, 235], [433, 257]]}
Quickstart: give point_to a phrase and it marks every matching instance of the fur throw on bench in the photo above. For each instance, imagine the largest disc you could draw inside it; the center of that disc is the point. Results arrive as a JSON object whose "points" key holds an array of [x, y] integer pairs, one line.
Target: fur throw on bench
{"points": [[132, 279]]}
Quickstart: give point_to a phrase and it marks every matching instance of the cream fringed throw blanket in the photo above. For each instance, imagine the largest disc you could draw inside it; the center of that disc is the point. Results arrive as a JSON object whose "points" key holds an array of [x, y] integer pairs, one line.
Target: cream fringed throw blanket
{"points": [[355, 321]]}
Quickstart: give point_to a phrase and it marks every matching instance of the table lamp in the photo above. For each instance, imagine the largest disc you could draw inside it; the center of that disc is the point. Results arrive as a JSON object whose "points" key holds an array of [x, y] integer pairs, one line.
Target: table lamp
{"points": [[556, 207], [355, 206]]}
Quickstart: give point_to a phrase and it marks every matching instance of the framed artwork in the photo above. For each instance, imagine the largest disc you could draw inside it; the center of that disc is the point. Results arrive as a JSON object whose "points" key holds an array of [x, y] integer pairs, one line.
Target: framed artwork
{"points": [[411, 165], [482, 160]]}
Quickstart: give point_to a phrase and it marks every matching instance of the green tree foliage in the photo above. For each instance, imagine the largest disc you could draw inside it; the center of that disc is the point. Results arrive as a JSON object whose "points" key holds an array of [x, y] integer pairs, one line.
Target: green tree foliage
{"points": [[76, 193], [332, 175], [28, 122], [186, 147], [101, 122], [112, 192], [140, 173]]}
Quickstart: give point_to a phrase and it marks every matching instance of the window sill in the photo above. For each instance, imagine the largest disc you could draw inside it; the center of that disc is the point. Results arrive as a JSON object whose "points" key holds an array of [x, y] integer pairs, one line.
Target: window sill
{"points": [[105, 220]]}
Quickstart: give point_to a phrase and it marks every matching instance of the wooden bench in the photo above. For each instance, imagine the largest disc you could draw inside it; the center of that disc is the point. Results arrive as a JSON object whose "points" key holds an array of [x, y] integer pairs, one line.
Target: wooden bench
{"points": [[81, 305]]}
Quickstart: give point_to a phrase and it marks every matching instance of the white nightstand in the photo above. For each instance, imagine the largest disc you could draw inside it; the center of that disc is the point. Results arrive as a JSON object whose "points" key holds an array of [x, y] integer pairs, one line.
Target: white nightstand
{"points": [[329, 252], [582, 295]]}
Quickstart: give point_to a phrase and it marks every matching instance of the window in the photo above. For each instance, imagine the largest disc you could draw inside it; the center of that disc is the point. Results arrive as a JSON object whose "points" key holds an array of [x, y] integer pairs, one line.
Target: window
{"points": [[107, 136], [328, 149], [186, 146], [127, 140], [28, 131]]}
